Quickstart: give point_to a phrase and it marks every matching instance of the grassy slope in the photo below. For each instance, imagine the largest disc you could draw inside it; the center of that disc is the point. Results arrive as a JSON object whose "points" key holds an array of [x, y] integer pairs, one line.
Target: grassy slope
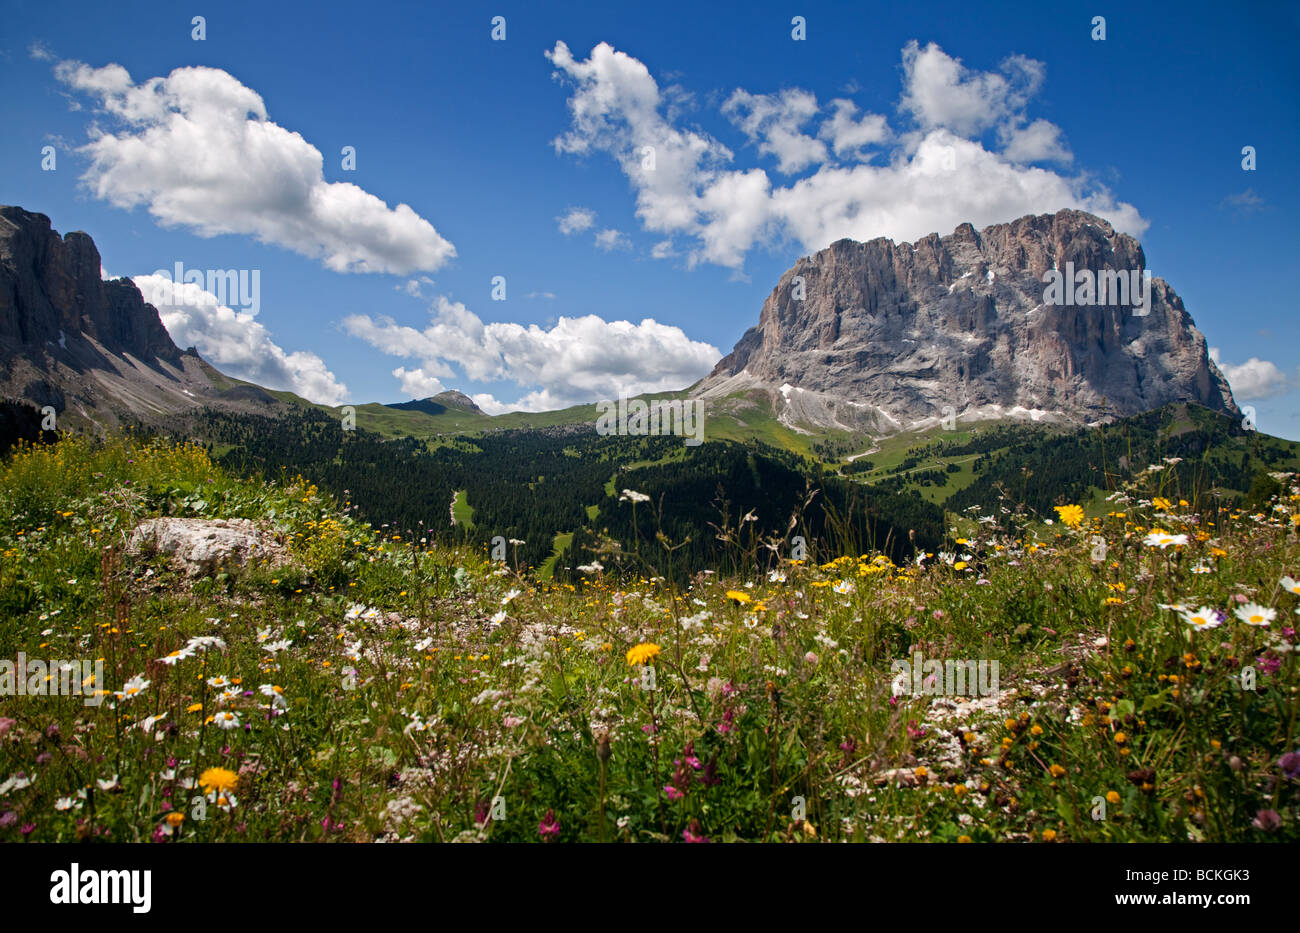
{"points": [[462, 510], [405, 720]]}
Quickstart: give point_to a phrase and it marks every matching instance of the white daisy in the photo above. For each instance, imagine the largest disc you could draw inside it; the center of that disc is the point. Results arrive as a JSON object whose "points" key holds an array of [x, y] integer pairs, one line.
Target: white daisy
{"points": [[1254, 614], [276, 693], [1163, 540], [223, 799], [1203, 618], [226, 720], [132, 688]]}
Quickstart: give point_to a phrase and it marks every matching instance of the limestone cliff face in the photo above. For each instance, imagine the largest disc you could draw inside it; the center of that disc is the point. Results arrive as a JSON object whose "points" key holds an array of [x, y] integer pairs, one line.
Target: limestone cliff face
{"points": [[51, 284], [93, 350], [886, 335]]}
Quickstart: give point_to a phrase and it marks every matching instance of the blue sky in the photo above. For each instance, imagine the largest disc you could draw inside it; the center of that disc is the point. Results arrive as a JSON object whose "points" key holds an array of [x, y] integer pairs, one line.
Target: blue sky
{"points": [[523, 158]]}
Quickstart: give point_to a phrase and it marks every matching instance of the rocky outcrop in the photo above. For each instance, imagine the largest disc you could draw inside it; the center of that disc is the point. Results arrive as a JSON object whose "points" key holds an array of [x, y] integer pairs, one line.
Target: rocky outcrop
{"points": [[201, 547], [92, 350], [885, 336], [440, 404], [51, 286]]}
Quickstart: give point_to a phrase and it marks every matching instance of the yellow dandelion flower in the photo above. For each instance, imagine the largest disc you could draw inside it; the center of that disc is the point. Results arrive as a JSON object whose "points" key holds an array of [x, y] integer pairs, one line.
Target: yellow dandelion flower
{"points": [[222, 779], [1071, 515], [642, 653]]}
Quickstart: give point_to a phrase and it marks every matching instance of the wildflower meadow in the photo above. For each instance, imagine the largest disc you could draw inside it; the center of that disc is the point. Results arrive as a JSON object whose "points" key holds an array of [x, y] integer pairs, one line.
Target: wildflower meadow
{"points": [[372, 684]]}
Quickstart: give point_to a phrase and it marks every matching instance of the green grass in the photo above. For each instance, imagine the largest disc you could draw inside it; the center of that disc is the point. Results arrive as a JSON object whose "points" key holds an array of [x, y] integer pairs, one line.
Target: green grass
{"points": [[418, 686], [462, 510], [558, 546]]}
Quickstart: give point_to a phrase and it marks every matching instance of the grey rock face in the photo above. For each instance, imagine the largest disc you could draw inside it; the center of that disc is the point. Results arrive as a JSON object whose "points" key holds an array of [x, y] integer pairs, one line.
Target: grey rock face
{"points": [[201, 547], [887, 335], [93, 350], [50, 284]]}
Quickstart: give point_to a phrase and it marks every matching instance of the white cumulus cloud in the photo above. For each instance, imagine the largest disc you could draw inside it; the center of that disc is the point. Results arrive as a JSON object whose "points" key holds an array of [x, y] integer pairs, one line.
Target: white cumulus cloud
{"points": [[612, 239], [575, 220], [775, 123], [235, 342], [940, 92], [1253, 379], [578, 359], [199, 151], [930, 179]]}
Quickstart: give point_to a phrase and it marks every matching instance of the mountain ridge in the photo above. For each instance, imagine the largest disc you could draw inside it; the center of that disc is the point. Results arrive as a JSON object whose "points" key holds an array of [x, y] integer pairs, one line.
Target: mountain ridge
{"points": [[90, 348], [885, 337]]}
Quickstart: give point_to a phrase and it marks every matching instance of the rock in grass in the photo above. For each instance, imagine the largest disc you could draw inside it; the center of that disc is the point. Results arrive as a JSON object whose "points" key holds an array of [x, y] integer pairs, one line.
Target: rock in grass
{"points": [[202, 547]]}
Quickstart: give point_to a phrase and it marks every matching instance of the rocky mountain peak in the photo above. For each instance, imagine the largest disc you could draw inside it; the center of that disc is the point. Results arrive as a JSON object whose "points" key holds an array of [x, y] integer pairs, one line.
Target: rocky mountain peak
{"points": [[885, 337], [50, 288], [91, 349], [453, 398]]}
